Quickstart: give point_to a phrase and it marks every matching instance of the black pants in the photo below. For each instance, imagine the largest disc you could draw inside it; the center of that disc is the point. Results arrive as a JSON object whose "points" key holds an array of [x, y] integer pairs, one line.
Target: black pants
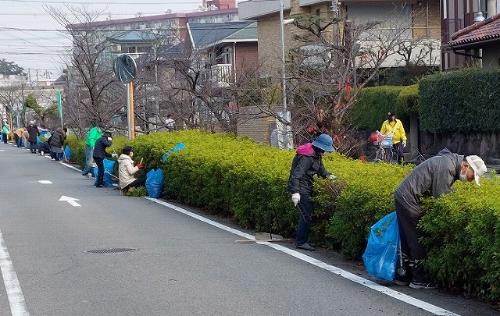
{"points": [[305, 208], [33, 147], [4, 138], [100, 171], [137, 183], [408, 219], [399, 150]]}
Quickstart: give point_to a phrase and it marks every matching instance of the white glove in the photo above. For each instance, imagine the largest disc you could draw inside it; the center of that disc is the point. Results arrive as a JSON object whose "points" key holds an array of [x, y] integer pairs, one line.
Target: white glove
{"points": [[332, 177], [404, 143], [296, 198], [110, 139], [114, 155]]}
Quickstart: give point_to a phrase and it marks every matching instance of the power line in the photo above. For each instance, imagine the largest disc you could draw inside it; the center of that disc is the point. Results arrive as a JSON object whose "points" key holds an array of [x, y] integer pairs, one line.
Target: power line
{"points": [[90, 28], [100, 2]]}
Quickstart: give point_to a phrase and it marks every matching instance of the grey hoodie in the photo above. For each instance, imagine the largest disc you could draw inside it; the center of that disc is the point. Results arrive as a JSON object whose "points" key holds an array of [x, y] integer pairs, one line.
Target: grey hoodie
{"points": [[433, 177]]}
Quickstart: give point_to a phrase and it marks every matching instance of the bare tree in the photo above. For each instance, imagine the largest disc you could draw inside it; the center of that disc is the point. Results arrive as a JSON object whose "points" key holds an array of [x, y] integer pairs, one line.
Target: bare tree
{"points": [[94, 95]]}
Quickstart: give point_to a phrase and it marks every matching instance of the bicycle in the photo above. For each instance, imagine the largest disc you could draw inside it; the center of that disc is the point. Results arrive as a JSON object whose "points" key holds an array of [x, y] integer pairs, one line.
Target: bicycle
{"points": [[385, 151]]}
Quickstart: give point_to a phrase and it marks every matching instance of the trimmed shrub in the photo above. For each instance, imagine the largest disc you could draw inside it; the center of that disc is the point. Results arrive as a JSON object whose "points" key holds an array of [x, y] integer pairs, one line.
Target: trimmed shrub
{"points": [[408, 101], [372, 106], [236, 177], [461, 101]]}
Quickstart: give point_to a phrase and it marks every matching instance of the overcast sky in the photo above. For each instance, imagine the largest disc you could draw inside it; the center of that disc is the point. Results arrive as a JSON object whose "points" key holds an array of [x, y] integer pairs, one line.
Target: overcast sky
{"points": [[52, 47]]}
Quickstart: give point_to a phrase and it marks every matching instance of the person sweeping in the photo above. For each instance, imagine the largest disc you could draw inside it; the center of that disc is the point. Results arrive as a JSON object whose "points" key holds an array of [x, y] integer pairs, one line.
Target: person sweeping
{"points": [[305, 165]]}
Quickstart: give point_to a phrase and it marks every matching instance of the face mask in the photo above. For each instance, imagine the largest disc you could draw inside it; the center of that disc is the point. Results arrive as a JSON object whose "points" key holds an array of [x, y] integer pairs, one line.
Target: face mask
{"points": [[131, 154], [463, 176]]}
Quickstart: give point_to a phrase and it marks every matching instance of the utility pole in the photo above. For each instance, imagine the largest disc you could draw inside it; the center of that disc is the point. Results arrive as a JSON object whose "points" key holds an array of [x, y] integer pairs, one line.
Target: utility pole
{"points": [[285, 116]]}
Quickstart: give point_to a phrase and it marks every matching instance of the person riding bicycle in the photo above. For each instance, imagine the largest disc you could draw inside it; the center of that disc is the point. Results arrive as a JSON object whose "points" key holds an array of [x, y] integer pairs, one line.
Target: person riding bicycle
{"points": [[393, 126]]}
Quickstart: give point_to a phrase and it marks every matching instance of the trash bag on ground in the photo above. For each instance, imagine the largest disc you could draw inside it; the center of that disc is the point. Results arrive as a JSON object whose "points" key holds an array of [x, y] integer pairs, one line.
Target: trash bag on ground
{"points": [[67, 153], [380, 257], [154, 182], [109, 167]]}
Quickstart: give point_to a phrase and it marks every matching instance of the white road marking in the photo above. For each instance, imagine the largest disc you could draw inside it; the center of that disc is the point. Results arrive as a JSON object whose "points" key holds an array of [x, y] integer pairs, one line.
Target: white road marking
{"points": [[12, 287], [436, 310], [69, 166], [70, 200], [2, 150], [44, 181]]}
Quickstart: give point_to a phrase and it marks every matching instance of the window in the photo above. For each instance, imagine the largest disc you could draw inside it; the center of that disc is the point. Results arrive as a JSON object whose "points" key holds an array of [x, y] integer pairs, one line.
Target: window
{"points": [[132, 50]]}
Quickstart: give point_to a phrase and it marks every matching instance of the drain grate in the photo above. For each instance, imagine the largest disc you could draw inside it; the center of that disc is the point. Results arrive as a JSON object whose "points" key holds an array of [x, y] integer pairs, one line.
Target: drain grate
{"points": [[111, 250]]}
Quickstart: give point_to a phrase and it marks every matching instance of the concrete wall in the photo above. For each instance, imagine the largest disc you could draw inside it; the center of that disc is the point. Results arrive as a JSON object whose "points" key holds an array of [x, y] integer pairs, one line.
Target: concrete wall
{"points": [[491, 56], [257, 127]]}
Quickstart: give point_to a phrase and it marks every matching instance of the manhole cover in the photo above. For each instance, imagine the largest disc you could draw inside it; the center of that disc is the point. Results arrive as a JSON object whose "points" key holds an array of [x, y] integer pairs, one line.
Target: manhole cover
{"points": [[111, 250]]}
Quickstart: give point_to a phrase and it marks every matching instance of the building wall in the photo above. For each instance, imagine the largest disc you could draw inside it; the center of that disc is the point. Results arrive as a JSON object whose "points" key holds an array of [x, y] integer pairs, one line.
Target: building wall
{"points": [[427, 19], [254, 126], [246, 57], [491, 56]]}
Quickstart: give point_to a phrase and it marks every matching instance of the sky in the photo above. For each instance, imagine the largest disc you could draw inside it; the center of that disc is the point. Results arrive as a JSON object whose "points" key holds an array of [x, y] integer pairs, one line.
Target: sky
{"points": [[40, 49]]}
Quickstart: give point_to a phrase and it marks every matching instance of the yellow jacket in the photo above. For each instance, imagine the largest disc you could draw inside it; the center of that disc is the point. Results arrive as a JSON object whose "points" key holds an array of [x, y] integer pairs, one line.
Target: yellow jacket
{"points": [[396, 129]]}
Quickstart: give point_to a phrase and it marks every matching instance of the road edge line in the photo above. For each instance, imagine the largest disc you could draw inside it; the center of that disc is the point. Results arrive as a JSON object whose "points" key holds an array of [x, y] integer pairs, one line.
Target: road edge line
{"points": [[12, 287], [436, 310]]}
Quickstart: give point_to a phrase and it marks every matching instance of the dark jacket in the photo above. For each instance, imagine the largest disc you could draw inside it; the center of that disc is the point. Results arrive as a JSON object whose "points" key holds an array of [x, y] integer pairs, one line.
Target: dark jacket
{"points": [[57, 138], [433, 177], [100, 148], [33, 133], [305, 165]]}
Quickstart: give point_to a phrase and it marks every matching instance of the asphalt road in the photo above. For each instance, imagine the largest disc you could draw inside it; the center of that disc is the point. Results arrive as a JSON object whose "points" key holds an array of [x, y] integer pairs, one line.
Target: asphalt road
{"points": [[181, 266]]}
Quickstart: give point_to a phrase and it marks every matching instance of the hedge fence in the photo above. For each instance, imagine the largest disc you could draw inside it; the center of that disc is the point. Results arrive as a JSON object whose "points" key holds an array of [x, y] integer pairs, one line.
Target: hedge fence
{"points": [[459, 101], [247, 181]]}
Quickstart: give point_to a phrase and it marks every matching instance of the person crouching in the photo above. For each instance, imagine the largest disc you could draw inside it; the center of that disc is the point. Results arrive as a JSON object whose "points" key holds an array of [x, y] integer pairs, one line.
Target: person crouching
{"points": [[126, 170]]}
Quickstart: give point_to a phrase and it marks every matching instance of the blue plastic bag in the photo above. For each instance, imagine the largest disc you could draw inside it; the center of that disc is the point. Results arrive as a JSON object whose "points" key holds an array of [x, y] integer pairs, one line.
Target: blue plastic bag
{"points": [[67, 152], [109, 166], [380, 257], [178, 147], [154, 182]]}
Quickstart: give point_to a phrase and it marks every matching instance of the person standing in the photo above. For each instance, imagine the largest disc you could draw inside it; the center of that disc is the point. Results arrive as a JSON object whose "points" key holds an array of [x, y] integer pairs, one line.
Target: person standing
{"points": [[433, 177], [126, 170], [93, 135], [18, 137], [393, 126], [170, 123], [306, 164], [5, 132], [99, 154], [32, 135]]}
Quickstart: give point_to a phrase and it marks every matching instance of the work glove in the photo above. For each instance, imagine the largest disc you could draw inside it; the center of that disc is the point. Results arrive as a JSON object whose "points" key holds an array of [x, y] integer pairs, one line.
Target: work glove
{"points": [[332, 177], [404, 143], [114, 155], [296, 198], [140, 166]]}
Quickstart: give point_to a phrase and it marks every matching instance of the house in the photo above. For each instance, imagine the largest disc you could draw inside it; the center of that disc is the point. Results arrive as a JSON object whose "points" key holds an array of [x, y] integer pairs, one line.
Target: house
{"points": [[229, 49], [420, 18], [482, 39], [470, 29]]}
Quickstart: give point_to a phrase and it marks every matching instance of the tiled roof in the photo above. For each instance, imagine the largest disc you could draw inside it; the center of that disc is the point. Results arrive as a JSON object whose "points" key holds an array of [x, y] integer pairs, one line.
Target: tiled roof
{"points": [[133, 37], [486, 30]]}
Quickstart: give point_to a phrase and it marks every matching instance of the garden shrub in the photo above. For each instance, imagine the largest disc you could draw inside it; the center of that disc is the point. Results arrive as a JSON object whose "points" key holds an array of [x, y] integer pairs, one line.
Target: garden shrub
{"points": [[372, 106], [407, 104], [460, 101], [239, 178]]}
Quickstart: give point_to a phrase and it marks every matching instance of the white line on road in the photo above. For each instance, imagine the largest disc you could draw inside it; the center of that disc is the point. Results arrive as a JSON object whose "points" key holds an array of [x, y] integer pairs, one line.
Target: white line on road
{"points": [[70, 200], [69, 166], [14, 292], [44, 181], [296, 254]]}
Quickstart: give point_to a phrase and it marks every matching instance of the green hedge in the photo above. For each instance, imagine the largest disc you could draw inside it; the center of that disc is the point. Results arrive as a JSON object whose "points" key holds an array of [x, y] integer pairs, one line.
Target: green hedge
{"points": [[407, 102], [372, 106], [461, 101], [247, 181]]}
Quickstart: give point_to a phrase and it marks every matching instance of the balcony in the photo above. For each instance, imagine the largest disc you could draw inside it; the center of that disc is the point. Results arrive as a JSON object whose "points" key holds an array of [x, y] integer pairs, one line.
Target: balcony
{"points": [[221, 75], [249, 10]]}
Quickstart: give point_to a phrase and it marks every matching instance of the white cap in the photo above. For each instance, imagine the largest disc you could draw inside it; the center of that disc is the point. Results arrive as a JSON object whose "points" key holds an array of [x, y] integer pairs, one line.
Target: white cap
{"points": [[477, 164]]}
